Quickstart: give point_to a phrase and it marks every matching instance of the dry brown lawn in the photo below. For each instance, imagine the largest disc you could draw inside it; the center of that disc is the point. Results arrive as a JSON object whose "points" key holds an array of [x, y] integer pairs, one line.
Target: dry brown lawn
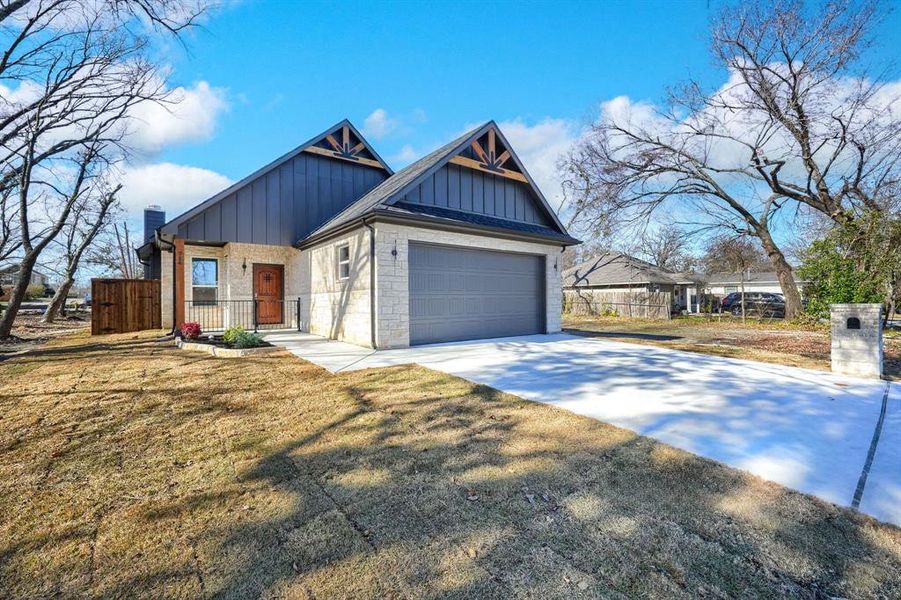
{"points": [[768, 340], [132, 469]]}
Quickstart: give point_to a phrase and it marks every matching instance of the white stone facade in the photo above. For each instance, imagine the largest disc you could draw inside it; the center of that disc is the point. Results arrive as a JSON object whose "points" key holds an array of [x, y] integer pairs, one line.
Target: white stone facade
{"points": [[392, 285], [340, 308], [857, 339], [235, 282]]}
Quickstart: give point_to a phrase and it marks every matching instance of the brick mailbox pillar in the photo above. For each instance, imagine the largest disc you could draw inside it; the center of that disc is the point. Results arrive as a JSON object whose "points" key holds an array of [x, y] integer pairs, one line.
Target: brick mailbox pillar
{"points": [[857, 339]]}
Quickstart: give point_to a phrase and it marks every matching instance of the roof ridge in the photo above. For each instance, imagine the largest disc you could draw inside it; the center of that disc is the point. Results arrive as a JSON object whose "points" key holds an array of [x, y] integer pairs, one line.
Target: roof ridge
{"points": [[223, 193], [377, 195]]}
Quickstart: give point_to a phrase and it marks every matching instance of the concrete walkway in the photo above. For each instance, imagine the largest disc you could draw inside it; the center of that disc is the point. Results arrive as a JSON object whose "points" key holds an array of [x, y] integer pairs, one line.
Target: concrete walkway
{"points": [[808, 430]]}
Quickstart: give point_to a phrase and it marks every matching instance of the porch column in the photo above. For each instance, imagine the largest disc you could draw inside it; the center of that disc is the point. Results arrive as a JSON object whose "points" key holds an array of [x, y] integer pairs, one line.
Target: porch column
{"points": [[178, 280]]}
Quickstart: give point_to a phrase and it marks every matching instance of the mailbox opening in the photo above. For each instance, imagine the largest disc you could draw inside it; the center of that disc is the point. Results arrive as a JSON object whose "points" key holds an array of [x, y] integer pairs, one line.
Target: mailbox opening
{"points": [[853, 323]]}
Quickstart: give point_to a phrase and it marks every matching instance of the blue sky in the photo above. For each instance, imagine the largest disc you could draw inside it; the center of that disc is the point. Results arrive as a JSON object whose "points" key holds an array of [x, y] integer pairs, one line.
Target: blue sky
{"points": [[265, 75]]}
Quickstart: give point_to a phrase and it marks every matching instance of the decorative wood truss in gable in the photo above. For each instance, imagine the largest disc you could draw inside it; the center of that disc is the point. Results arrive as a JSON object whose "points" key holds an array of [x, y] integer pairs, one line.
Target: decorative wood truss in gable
{"points": [[349, 148], [488, 155]]}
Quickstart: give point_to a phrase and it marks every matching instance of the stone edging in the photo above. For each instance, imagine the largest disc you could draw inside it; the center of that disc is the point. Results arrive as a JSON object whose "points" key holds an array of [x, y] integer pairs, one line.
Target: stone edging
{"points": [[220, 352]]}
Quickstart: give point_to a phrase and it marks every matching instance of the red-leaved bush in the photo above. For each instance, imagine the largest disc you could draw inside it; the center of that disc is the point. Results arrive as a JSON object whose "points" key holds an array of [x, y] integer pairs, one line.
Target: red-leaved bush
{"points": [[190, 330]]}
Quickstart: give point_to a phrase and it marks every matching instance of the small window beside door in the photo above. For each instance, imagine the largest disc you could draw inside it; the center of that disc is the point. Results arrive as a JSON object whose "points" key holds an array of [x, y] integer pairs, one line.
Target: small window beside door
{"points": [[204, 281], [343, 261]]}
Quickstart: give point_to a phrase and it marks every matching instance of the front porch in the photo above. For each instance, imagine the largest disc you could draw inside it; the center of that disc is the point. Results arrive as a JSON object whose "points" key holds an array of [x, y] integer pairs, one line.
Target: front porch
{"points": [[223, 285], [253, 315]]}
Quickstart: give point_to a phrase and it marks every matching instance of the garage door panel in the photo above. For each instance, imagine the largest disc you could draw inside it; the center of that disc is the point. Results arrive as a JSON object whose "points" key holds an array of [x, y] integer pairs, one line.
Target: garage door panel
{"points": [[466, 293]]}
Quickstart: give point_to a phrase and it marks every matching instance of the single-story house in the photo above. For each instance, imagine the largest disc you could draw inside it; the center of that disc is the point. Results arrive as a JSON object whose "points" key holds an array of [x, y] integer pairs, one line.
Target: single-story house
{"points": [[626, 284], [723, 284], [459, 245], [9, 277]]}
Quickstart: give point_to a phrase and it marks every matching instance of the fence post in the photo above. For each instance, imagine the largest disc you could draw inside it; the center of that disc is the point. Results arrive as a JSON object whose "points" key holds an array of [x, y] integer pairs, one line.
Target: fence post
{"points": [[298, 314], [255, 315]]}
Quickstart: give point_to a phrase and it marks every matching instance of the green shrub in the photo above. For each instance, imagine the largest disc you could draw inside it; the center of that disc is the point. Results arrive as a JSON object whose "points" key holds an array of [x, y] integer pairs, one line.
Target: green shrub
{"points": [[35, 291], [609, 312], [245, 339], [231, 334]]}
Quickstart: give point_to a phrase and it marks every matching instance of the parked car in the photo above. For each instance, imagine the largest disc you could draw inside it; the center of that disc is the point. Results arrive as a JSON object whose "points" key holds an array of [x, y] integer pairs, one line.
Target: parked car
{"points": [[757, 304]]}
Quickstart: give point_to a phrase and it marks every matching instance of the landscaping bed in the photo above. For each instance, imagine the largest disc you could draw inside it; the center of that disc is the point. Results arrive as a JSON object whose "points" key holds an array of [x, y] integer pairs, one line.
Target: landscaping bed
{"points": [[131, 469], [235, 342], [216, 346]]}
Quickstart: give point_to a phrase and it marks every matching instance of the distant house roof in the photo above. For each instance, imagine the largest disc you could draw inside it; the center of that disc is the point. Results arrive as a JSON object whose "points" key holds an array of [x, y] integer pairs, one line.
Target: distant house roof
{"points": [[616, 269], [736, 278], [386, 199], [13, 270]]}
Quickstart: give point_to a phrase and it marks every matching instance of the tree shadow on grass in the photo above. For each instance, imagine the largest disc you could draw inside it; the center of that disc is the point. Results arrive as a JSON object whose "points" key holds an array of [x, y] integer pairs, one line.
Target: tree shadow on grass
{"points": [[623, 335], [277, 479], [461, 491]]}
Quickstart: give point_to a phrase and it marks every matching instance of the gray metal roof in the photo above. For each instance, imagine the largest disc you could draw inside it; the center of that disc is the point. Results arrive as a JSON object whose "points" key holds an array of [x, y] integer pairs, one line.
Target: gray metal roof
{"points": [[383, 196], [616, 268], [481, 220]]}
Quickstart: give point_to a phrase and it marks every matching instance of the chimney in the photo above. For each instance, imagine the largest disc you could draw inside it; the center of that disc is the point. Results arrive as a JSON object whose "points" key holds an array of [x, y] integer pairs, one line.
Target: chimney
{"points": [[154, 218]]}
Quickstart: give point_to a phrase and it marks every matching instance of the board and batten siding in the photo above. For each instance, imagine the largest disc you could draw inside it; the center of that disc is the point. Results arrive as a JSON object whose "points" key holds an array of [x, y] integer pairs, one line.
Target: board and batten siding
{"points": [[468, 190], [284, 204]]}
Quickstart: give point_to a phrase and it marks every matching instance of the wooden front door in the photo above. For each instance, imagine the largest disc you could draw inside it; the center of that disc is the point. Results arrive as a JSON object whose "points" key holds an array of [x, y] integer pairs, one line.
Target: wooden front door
{"points": [[269, 291]]}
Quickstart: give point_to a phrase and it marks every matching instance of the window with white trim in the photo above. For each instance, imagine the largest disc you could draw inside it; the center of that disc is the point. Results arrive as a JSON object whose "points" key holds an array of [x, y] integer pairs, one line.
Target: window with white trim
{"points": [[204, 281], [343, 261]]}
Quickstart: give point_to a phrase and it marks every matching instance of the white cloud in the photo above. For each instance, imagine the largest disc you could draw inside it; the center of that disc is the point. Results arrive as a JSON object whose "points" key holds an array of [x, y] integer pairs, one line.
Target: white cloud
{"points": [[191, 117], [406, 155], [539, 147], [378, 124], [174, 187]]}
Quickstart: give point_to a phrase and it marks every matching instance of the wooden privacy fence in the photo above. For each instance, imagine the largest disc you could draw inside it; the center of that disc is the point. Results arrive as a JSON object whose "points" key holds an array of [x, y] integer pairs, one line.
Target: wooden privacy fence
{"points": [[648, 305], [123, 305]]}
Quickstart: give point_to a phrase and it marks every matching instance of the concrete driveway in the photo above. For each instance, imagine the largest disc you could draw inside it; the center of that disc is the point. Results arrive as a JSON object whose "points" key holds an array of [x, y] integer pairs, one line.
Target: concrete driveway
{"points": [[809, 430]]}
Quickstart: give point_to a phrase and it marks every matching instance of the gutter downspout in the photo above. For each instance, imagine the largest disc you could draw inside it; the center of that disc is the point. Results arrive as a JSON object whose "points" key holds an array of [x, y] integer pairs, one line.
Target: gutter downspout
{"points": [[159, 240], [371, 283]]}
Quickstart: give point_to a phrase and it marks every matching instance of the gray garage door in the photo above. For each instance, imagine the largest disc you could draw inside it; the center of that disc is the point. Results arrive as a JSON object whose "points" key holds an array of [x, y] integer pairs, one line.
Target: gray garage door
{"points": [[464, 294]]}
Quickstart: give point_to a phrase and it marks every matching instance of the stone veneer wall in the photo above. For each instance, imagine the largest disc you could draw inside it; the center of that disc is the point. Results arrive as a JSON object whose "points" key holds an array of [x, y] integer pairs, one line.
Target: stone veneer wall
{"points": [[392, 285], [339, 309], [166, 288], [234, 282], [857, 352]]}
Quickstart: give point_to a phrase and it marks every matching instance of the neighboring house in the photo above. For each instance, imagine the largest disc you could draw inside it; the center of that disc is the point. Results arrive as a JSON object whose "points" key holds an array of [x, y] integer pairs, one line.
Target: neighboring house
{"points": [[623, 282], [723, 284], [9, 277], [459, 245], [626, 284]]}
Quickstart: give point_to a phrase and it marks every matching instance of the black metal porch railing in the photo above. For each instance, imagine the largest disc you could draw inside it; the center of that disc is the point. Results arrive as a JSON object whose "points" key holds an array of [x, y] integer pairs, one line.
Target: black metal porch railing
{"points": [[253, 315]]}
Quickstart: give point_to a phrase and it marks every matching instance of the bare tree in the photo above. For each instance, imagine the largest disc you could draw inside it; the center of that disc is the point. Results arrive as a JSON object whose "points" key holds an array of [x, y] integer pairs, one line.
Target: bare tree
{"points": [[795, 126], [114, 253], [81, 69], [728, 254], [9, 235], [737, 254], [88, 219], [666, 247]]}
